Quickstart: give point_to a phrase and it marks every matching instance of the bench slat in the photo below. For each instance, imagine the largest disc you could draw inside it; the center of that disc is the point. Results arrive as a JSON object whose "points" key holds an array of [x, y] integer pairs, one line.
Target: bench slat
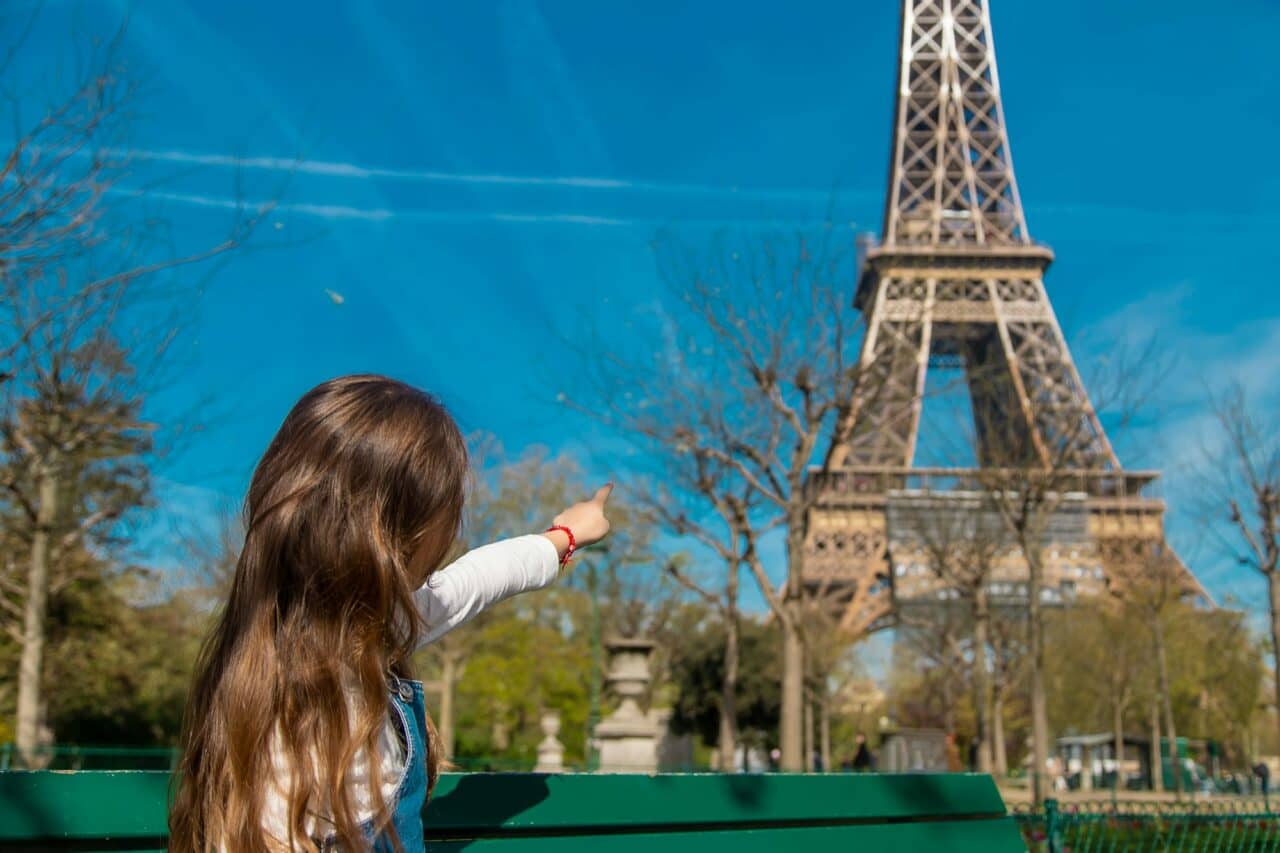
{"points": [[582, 800], [83, 804], [989, 836], [81, 807]]}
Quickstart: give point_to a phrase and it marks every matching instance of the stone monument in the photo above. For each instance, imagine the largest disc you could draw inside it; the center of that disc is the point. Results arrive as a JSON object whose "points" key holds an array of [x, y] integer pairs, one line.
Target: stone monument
{"points": [[550, 750], [628, 738]]}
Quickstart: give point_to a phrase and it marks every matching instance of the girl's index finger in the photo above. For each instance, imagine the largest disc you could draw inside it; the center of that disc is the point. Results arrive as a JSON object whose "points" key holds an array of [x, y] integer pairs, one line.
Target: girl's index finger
{"points": [[602, 494]]}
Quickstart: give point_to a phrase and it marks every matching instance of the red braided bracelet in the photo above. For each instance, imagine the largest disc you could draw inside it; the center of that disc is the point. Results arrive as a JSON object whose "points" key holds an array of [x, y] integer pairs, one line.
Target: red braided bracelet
{"points": [[573, 543]]}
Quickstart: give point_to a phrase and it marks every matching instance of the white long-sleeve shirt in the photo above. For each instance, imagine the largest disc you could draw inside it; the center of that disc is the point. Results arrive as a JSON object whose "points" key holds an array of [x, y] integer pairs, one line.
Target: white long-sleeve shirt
{"points": [[451, 597], [483, 577]]}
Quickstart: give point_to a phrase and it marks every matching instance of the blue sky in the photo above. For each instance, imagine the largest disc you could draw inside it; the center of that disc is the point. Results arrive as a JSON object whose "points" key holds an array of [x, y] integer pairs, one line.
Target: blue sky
{"points": [[476, 175]]}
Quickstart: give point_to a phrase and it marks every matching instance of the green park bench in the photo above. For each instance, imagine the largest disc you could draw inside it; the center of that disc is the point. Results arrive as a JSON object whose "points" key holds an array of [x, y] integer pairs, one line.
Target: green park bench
{"points": [[532, 813]]}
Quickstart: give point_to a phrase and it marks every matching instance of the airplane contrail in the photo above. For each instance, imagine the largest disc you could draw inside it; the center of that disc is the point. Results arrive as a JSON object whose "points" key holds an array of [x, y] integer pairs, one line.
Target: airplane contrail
{"points": [[382, 214], [328, 168]]}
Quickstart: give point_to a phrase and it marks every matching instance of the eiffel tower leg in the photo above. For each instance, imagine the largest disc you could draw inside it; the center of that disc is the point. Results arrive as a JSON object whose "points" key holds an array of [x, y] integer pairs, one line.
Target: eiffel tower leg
{"points": [[1026, 453], [883, 421], [849, 547], [1064, 425]]}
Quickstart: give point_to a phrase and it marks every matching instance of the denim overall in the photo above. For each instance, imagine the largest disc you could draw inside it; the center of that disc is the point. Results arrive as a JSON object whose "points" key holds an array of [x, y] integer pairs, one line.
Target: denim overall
{"points": [[410, 717]]}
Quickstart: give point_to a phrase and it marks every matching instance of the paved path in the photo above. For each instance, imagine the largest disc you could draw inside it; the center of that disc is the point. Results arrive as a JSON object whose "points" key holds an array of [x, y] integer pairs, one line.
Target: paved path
{"points": [[1022, 795]]}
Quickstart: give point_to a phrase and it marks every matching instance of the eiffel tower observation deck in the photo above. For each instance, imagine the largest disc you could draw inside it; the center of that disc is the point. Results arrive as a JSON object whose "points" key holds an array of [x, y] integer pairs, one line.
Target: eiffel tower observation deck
{"points": [[956, 281]]}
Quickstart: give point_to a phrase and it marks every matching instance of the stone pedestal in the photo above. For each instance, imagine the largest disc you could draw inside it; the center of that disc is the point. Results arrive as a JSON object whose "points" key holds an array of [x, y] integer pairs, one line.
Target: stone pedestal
{"points": [[914, 750], [628, 738], [550, 750], [675, 752]]}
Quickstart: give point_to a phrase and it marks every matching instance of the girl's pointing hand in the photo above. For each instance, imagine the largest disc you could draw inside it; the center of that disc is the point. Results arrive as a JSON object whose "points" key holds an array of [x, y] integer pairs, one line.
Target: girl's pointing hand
{"points": [[586, 521]]}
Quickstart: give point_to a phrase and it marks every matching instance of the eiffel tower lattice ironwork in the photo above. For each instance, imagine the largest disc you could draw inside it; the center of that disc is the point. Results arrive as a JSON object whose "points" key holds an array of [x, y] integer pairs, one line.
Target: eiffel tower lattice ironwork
{"points": [[957, 279]]}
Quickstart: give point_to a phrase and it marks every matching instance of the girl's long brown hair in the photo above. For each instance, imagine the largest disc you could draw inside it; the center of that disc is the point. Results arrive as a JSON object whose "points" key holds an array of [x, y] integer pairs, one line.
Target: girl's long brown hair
{"points": [[357, 498]]}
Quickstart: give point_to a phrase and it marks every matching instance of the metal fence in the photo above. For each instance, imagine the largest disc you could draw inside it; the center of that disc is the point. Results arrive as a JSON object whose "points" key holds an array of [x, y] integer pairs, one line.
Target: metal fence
{"points": [[1103, 826], [73, 757]]}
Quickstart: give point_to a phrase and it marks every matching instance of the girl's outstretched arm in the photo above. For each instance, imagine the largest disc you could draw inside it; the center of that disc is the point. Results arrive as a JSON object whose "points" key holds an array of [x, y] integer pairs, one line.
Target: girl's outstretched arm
{"points": [[481, 578]]}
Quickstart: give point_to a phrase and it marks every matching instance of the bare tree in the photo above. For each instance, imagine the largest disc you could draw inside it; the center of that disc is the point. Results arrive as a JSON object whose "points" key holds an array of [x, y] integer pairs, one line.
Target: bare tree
{"points": [[1120, 682], [1242, 477], [960, 537], [1008, 672], [85, 333], [697, 479], [747, 373], [213, 555], [832, 668], [933, 640], [1027, 500]]}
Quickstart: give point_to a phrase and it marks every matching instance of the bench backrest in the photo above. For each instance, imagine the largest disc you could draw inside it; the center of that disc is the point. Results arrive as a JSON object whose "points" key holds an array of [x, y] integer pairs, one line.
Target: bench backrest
{"points": [[532, 813]]}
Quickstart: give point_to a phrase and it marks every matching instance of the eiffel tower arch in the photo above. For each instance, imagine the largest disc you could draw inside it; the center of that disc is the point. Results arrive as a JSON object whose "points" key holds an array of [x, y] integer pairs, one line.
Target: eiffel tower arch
{"points": [[957, 281]]}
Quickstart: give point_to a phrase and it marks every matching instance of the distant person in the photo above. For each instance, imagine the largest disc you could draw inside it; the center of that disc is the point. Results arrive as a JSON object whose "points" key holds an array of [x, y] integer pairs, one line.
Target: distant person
{"points": [[1057, 771], [863, 761], [303, 729], [1263, 772]]}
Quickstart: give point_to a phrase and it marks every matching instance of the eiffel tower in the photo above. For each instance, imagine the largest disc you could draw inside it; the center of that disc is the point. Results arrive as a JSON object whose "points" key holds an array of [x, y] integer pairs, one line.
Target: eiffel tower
{"points": [[956, 281]]}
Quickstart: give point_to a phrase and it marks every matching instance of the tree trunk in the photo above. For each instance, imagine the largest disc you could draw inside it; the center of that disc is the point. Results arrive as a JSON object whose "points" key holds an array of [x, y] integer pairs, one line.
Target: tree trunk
{"points": [[31, 665], [1157, 775], [982, 705], [500, 731], [808, 734], [948, 707], [729, 695], [1273, 587], [1000, 756], [1157, 630], [448, 678], [1117, 746], [794, 663], [824, 729], [1039, 710], [791, 724]]}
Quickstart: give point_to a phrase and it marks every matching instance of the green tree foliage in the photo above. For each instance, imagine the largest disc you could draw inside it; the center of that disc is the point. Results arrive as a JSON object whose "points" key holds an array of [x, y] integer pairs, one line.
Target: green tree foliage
{"points": [[1103, 673], [697, 664], [74, 468], [119, 658], [1216, 673], [522, 664], [1104, 663], [121, 662]]}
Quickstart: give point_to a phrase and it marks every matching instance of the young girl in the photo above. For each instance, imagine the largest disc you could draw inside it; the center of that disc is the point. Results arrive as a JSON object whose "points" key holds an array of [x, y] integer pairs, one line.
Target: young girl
{"points": [[303, 730]]}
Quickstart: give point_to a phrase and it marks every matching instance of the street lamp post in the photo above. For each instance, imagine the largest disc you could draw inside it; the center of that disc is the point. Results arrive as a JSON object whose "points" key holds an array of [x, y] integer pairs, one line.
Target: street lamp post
{"points": [[591, 752]]}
